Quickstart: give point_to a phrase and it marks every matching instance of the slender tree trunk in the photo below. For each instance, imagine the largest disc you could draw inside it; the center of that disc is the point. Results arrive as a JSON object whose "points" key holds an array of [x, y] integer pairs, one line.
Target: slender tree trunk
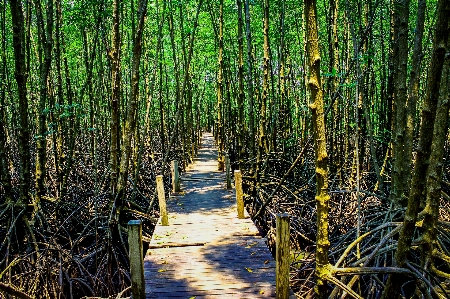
{"points": [[72, 129], [89, 65], [44, 48], [220, 141], [250, 81], [21, 76], [241, 95], [183, 104], [334, 61], [318, 123], [435, 170], [59, 153], [115, 96], [282, 76], [400, 171], [130, 123], [263, 146], [5, 177], [177, 132], [413, 88]]}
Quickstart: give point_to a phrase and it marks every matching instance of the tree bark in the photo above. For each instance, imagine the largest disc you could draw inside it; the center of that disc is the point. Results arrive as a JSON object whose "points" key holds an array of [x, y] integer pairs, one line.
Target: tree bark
{"points": [[413, 88], [250, 80], [220, 141], [435, 169], [5, 177], [241, 95], [115, 96], [45, 45], [318, 123], [130, 122], [400, 171], [263, 144], [21, 76]]}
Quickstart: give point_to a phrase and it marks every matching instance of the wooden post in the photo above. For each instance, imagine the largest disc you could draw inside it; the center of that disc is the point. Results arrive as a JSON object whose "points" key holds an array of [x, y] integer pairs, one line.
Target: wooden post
{"points": [[136, 255], [162, 200], [282, 256], [239, 193], [228, 170], [175, 177]]}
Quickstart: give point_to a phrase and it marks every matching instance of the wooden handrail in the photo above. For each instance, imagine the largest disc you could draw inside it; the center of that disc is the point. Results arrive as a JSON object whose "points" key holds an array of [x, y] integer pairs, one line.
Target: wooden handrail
{"points": [[239, 193], [175, 177], [282, 256], [162, 200], [136, 255]]}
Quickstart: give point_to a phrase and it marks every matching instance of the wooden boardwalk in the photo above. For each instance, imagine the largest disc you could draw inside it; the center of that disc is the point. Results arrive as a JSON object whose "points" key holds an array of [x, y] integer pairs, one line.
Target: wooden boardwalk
{"points": [[206, 251]]}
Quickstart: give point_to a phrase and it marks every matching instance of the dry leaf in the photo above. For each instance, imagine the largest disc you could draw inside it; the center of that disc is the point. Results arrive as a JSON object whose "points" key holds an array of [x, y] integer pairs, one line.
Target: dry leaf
{"points": [[251, 245], [249, 270]]}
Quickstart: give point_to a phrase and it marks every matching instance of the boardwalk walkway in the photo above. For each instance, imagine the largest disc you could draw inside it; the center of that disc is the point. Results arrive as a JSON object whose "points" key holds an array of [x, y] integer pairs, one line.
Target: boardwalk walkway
{"points": [[206, 251]]}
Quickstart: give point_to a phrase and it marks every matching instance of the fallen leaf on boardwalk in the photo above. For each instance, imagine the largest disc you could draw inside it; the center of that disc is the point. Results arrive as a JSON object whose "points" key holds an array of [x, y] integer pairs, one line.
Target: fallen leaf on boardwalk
{"points": [[266, 261], [164, 262], [249, 270], [162, 270], [261, 292], [253, 253], [251, 245], [193, 297]]}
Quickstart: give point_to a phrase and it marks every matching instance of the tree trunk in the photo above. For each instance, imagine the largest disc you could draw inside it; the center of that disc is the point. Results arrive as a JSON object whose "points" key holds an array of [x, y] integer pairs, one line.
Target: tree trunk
{"points": [[435, 169], [413, 88], [282, 77], [241, 95], [21, 76], [45, 45], [130, 122], [58, 139], [115, 96], [220, 141], [5, 177], [400, 171], [250, 81], [318, 123], [263, 146]]}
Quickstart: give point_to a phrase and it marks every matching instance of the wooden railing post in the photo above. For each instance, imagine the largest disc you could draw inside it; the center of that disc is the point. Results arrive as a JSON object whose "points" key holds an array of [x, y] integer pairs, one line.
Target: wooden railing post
{"points": [[136, 259], [228, 170], [162, 200], [282, 256], [175, 177], [239, 193]]}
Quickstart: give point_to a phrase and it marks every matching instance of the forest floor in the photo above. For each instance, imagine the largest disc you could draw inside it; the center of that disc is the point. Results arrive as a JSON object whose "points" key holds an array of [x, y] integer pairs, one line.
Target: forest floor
{"points": [[206, 251]]}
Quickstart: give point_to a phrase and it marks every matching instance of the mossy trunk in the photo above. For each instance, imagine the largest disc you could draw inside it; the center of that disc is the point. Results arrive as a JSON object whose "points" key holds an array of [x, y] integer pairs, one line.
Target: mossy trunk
{"points": [[115, 97], [316, 105], [21, 76]]}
